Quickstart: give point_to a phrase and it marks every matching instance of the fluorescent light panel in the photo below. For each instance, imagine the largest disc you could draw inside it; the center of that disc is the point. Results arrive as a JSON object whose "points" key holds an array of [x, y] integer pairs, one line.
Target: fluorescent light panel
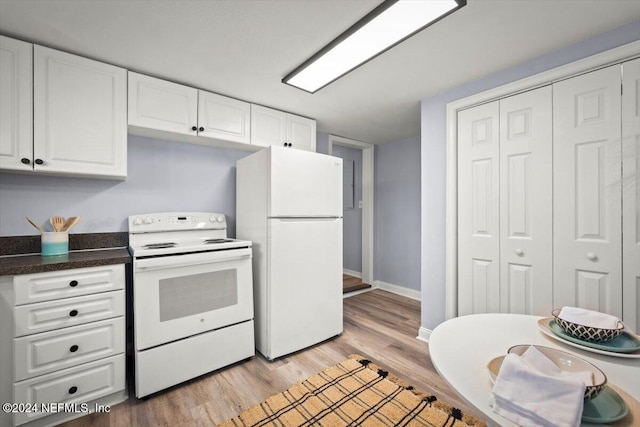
{"points": [[386, 26]]}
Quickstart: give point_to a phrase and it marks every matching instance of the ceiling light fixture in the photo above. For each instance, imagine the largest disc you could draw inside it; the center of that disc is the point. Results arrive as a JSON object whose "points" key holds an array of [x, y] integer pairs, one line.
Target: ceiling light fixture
{"points": [[384, 27]]}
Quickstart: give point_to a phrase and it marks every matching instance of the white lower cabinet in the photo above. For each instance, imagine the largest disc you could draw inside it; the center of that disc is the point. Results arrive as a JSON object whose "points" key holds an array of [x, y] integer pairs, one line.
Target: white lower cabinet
{"points": [[62, 343], [74, 388]]}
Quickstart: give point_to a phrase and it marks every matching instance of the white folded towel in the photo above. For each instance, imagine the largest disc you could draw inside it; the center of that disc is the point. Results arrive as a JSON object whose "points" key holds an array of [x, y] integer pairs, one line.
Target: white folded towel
{"points": [[591, 318], [532, 391]]}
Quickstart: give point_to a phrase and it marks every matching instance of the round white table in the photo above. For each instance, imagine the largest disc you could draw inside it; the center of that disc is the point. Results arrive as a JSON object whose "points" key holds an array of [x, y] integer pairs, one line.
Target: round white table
{"points": [[460, 349]]}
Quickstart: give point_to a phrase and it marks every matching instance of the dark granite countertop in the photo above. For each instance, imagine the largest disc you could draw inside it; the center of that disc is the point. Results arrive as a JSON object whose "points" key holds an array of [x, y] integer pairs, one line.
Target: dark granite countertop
{"points": [[20, 254], [27, 264]]}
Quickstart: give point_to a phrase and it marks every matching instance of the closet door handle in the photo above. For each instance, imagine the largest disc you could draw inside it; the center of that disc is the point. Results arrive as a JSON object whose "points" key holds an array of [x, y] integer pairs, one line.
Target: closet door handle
{"points": [[592, 256], [519, 252]]}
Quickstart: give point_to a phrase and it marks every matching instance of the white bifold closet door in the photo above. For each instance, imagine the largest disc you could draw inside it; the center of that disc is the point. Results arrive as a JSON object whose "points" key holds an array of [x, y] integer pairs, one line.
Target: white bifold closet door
{"points": [[631, 193], [479, 210], [526, 217], [504, 206], [586, 191]]}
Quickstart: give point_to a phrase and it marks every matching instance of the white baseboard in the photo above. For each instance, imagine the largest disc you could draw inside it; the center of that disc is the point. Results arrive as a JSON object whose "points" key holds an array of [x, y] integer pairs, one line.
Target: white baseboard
{"points": [[400, 290], [352, 273], [354, 293], [424, 334]]}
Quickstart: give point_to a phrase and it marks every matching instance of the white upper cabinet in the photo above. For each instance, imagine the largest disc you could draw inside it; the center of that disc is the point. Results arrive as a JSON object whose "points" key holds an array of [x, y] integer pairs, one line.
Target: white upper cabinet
{"points": [[159, 105], [273, 127], [268, 126], [16, 104], [80, 115], [223, 117], [162, 105], [301, 132]]}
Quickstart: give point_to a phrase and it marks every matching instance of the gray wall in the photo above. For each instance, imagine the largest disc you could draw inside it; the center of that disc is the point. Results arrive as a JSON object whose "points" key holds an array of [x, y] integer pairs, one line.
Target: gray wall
{"points": [[162, 176], [352, 218], [433, 141], [397, 213]]}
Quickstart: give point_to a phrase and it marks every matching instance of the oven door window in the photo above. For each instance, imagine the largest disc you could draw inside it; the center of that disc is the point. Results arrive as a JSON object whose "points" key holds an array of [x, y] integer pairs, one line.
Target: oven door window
{"points": [[186, 296]]}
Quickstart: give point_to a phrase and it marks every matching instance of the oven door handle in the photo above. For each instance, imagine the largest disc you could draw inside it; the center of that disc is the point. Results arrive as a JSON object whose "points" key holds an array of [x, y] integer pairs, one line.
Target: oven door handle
{"points": [[162, 263]]}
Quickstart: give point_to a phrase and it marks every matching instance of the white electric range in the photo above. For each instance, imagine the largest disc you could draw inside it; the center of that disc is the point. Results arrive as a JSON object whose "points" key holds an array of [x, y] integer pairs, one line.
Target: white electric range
{"points": [[192, 297]]}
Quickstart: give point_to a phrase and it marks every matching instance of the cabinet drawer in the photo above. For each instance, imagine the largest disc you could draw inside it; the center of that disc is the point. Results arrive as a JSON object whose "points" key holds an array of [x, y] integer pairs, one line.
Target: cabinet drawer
{"points": [[50, 351], [72, 386], [50, 315], [48, 286]]}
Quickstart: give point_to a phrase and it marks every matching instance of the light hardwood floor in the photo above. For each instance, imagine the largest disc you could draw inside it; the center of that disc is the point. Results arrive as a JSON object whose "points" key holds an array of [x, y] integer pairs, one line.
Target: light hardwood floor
{"points": [[378, 325]]}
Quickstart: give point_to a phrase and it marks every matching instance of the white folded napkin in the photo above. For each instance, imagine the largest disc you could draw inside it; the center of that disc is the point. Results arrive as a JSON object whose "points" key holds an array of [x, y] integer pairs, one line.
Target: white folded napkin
{"points": [[585, 317], [532, 391]]}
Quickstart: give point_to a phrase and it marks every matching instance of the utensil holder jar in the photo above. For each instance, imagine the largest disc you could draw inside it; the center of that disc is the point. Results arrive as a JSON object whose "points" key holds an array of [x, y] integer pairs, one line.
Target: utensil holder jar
{"points": [[55, 243]]}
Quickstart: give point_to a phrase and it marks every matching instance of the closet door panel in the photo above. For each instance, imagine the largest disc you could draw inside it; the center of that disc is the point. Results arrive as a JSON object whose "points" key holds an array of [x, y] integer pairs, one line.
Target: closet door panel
{"points": [[631, 193], [526, 259], [587, 193], [479, 206]]}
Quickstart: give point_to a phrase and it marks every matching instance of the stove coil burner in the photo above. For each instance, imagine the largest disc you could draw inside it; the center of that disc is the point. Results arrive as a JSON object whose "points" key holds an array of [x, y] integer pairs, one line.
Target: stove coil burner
{"points": [[160, 245], [210, 241]]}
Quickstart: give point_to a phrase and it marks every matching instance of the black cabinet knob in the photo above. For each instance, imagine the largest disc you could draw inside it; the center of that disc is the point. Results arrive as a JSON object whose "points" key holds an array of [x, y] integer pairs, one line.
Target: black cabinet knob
{"points": [[201, 129], [290, 145], [73, 313], [73, 348], [73, 283], [39, 162], [73, 389], [285, 144], [194, 128], [25, 161]]}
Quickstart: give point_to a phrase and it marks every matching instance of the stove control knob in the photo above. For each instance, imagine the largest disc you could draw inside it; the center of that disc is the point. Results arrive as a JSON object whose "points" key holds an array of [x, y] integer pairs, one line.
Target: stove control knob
{"points": [[220, 219], [137, 221], [148, 220], [212, 219]]}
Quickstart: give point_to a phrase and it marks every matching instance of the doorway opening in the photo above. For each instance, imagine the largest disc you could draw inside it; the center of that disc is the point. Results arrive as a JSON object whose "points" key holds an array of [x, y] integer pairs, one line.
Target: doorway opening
{"points": [[357, 211]]}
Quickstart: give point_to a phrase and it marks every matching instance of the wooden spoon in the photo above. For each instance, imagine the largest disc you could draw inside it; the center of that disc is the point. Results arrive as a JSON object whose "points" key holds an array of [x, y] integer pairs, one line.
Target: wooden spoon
{"points": [[35, 225], [56, 223], [70, 222]]}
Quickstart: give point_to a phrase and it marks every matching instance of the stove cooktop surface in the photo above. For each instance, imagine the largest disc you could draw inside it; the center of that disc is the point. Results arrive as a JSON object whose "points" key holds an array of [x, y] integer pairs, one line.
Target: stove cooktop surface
{"points": [[186, 246]]}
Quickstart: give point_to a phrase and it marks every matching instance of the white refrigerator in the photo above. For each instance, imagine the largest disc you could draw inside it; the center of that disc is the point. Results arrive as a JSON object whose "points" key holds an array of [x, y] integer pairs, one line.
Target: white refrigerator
{"points": [[289, 204]]}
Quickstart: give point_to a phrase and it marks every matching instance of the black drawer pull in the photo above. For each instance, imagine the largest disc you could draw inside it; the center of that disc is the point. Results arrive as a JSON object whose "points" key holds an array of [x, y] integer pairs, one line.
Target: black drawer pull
{"points": [[73, 283], [73, 389], [73, 313], [73, 348]]}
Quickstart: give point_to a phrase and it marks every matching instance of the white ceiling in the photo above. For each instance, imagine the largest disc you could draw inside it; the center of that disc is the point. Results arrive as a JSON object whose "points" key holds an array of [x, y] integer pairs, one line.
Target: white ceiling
{"points": [[243, 48]]}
